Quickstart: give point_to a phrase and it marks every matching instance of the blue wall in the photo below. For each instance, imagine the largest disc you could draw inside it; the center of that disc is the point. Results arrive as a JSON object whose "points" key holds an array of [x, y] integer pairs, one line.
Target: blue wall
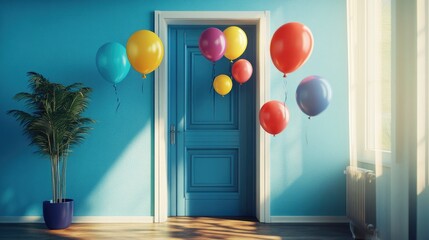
{"points": [[111, 174]]}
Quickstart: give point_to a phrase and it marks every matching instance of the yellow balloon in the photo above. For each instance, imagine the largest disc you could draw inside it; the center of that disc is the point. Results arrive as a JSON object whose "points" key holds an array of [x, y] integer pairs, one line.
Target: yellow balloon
{"points": [[222, 84], [236, 42], [145, 51]]}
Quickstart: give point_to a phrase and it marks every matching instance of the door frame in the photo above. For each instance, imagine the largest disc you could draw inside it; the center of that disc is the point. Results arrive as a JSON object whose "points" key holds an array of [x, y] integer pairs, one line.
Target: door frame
{"points": [[162, 20]]}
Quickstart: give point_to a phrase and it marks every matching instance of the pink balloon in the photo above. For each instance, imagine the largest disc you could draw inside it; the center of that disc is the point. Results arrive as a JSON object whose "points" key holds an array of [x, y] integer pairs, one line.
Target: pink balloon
{"points": [[242, 71], [212, 44]]}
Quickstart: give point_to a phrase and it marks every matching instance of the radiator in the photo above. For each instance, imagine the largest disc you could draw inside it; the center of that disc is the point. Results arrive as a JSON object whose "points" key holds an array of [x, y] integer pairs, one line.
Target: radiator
{"points": [[360, 201]]}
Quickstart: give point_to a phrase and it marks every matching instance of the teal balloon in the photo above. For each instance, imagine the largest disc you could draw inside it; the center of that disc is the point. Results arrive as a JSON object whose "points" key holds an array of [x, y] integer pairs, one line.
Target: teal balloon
{"points": [[112, 62]]}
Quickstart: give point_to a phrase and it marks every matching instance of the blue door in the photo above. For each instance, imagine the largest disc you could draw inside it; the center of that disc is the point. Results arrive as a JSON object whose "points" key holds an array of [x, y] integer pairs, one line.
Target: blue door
{"points": [[212, 138]]}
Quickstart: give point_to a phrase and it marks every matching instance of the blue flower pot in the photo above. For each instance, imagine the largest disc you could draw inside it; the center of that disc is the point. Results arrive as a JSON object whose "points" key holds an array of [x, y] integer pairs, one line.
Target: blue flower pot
{"points": [[58, 215]]}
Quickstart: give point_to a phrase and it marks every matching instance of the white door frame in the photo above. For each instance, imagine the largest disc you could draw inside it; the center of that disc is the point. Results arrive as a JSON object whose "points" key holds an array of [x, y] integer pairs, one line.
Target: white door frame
{"points": [[162, 20]]}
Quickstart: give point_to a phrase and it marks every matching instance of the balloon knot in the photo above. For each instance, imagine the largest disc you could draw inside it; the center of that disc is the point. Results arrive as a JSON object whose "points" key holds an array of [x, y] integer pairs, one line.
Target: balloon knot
{"points": [[309, 118], [231, 61], [284, 75], [144, 76]]}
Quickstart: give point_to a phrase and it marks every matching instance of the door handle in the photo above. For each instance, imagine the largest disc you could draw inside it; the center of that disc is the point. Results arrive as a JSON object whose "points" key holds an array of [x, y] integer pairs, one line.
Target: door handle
{"points": [[172, 134]]}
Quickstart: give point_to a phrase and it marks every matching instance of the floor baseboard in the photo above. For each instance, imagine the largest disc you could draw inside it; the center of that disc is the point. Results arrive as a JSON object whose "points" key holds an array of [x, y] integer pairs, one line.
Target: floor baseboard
{"points": [[21, 219], [309, 219], [81, 219], [149, 219]]}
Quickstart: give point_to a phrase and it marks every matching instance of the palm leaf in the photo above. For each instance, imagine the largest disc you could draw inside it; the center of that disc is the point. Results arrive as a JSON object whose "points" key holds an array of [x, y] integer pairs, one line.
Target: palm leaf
{"points": [[24, 118], [54, 121]]}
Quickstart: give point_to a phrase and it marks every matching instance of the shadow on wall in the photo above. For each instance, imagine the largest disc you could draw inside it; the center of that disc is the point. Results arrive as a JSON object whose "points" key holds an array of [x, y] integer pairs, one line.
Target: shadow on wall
{"points": [[309, 173], [18, 167], [423, 209], [319, 197], [64, 51], [118, 157], [115, 159]]}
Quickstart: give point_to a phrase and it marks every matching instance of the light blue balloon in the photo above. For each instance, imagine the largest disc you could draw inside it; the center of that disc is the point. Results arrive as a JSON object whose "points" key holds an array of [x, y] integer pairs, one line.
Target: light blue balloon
{"points": [[112, 62], [313, 95]]}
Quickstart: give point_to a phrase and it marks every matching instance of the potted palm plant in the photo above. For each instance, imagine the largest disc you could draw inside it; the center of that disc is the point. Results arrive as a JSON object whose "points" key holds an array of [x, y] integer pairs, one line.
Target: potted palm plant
{"points": [[55, 124]]}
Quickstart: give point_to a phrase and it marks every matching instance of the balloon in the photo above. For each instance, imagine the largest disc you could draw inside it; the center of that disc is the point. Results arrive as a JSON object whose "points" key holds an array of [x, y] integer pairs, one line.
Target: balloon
{"points": [[274, 117], [222, 84], [242, 71], [212, 44], [145, 51], [112, 62], [291, 46], [236, 42], [313, 95]]}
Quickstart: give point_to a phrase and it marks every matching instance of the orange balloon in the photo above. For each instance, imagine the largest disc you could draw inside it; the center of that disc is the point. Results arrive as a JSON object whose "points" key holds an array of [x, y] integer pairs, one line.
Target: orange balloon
{"points": [[291, 46]]}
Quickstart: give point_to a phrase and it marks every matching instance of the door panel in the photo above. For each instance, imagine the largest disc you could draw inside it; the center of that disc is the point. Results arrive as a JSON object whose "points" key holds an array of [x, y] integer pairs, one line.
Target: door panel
{"points": [[212, 170], [208, 110], [212, 160]]}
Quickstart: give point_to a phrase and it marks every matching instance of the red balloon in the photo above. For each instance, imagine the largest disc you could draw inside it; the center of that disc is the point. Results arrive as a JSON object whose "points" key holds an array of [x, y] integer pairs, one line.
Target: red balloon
{"points": [[274, 117], [291, 45], [242, 71]]}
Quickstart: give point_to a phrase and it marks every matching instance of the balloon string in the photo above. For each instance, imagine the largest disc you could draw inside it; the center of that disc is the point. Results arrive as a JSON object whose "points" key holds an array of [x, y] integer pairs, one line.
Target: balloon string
{"points": [[213, 76], [285, 87], [306, 131], [213, 70], [212, 89], [285, 100], [142, 87], [230, 69], [117, 97]]}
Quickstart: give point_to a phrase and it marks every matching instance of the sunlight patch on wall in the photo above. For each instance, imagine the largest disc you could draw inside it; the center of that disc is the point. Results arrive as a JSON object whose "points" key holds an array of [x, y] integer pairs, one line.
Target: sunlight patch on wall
{"points": [[293, 165], [279, 13], [7, 196], [34, 209], [422, 103], [7, 200], [125, 188], [289, 160]]}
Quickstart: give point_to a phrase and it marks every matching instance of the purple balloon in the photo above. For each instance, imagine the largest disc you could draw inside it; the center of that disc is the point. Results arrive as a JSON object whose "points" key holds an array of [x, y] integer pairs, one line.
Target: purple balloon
{"points": [[212, 44], [313, 95]]}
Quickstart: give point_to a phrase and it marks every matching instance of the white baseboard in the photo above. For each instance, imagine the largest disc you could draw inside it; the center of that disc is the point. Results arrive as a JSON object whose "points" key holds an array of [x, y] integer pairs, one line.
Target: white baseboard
{"points": [[149, 219], [309, 219], [81, 219], [113, 219], [21, 219]]}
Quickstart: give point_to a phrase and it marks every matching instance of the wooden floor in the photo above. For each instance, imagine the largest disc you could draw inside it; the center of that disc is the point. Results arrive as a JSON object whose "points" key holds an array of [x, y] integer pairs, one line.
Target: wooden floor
{"points": [[180, 228]]}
